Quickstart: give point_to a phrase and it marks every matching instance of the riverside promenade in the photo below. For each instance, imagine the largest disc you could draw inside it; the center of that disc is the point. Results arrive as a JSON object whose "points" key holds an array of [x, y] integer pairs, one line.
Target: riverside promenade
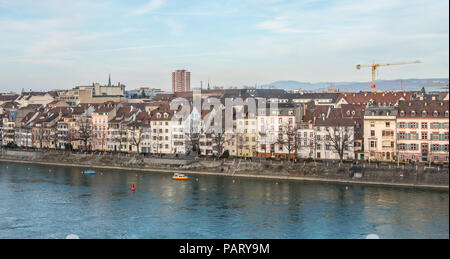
{"points": [[418, 176]]}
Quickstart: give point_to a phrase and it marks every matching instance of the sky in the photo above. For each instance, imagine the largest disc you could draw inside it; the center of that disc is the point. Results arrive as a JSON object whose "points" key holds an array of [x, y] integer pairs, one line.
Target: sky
{"points": [[59, 44]]}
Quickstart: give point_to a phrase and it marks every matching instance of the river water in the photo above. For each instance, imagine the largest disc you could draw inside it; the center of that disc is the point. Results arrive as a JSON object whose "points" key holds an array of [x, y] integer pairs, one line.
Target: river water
{"points": [[38, 201]]}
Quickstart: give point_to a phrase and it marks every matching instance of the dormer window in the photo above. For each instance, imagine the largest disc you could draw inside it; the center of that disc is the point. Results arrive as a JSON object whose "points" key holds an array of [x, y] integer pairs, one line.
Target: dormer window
{"points": [[158, 115], [424, 114], [166, 115], [435, 113], [446, 114], [402, 113], [348, 112], [353, 112], [413, 114]]}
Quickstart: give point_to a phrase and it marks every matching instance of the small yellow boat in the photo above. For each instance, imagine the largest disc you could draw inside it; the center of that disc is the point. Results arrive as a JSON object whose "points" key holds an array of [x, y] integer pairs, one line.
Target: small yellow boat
{"points": [[178, 176]]}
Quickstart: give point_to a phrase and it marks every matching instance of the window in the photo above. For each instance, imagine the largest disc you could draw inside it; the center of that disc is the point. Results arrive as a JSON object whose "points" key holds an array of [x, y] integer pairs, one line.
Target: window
{"points": [[388, 124], [435, 147], [424, 125], [372, 133], [401, 125], [387, 133], [424, 135], [373, 144]]}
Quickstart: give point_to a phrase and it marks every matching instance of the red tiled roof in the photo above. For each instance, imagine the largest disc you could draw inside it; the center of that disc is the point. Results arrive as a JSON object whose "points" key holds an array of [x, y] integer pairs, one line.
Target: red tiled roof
{"points": [[385, 98], [423, 108]]}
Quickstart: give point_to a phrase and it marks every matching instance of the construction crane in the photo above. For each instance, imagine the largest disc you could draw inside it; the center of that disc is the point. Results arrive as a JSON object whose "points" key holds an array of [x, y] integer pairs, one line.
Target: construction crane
{"points": [[375, 66]]}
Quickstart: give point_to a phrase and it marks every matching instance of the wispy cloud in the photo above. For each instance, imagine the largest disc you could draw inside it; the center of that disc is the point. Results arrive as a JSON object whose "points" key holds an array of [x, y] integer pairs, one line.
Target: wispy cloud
{"points": [[142, 47], [311, 40], [283, 25], [149, 7], [42, 61]]}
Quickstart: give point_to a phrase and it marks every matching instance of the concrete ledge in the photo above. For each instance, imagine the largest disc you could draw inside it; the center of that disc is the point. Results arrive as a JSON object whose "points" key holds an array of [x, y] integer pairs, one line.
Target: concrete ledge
{"points": [[274, 177]]}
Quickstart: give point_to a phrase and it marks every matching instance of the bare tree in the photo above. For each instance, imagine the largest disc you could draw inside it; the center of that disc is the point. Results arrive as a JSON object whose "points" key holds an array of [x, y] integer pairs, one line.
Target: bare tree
{"points": [[85, 132], [340, 138], [291, 141], [194, 139], [218, 141], [136, 137]]}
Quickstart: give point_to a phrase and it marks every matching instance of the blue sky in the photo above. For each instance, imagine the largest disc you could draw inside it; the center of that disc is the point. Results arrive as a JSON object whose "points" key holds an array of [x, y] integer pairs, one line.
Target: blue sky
{"points": [[58, 44]]}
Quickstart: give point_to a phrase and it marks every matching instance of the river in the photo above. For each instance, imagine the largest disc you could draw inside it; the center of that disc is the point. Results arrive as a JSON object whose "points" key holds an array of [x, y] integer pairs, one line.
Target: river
{"points": [[38, 201]]}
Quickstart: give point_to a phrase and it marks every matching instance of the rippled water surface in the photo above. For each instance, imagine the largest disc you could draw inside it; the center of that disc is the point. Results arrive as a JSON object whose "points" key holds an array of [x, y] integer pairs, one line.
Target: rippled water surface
{"points": [[39, 201]]}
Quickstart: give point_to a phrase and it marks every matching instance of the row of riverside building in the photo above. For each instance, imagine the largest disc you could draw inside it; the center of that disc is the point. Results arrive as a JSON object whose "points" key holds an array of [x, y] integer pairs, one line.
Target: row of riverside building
{"points": [[383, 126]]}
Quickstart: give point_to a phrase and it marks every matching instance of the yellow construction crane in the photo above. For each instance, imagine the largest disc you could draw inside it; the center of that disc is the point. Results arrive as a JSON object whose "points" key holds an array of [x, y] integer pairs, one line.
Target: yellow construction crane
{"points": [[375, 66]]}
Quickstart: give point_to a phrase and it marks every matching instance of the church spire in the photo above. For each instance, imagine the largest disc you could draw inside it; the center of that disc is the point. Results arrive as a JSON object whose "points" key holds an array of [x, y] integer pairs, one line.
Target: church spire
{"points": [[109, 80]]}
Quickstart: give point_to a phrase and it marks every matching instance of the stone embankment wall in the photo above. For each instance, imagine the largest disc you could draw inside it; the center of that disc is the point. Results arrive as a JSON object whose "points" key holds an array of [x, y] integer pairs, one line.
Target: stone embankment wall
{"points": [[411, 174]]}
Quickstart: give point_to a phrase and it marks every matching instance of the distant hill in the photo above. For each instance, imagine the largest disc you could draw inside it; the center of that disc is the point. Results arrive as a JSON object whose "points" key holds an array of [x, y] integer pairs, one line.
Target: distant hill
{"points": [[412, 84]]}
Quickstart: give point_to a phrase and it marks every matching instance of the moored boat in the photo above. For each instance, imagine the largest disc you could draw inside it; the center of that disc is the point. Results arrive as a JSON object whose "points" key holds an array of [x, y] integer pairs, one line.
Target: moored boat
{"points": [[178, 176]]}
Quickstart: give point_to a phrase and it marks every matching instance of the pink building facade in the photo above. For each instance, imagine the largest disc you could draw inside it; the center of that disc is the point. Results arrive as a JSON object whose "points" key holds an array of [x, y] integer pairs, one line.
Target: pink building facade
{"points": [[422, 131], [181, 81]]}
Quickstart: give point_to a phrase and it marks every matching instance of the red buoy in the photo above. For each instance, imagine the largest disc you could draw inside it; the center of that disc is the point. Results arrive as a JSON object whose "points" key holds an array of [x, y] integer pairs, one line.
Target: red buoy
{"points": [[132, 188]]}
